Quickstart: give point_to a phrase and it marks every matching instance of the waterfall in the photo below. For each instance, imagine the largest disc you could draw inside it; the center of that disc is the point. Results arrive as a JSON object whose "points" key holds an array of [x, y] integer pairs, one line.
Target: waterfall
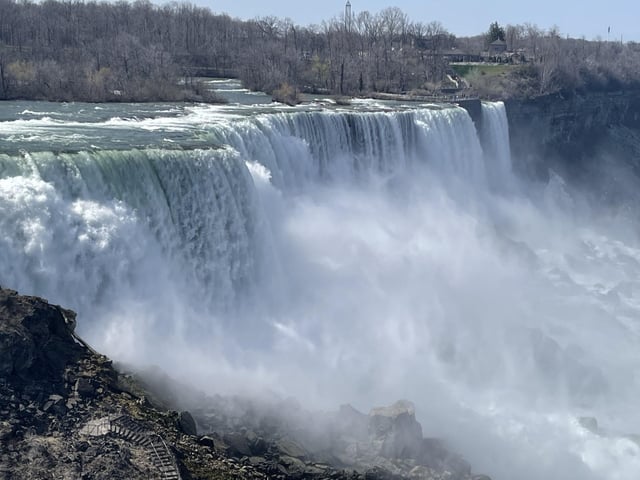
{"points": [[78, 227], [340, 256], [97, 214], [92, 226], [303, 147], [197, 207], [495, 136]]}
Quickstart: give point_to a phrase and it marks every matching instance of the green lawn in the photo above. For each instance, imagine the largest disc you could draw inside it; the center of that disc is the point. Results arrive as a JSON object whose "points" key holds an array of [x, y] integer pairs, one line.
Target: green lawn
{"points": [[464, 70]]}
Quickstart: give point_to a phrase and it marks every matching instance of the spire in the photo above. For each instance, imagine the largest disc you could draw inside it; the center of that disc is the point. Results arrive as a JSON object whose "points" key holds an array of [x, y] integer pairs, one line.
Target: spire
{"points": [[347, 16]]}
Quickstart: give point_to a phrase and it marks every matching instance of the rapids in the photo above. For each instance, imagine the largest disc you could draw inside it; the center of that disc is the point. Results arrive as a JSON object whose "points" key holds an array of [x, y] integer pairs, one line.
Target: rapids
{"points": [[359, 254]]}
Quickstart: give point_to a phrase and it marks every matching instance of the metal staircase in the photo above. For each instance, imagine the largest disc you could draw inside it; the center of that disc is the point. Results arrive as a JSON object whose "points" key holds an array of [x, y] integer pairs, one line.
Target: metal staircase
{"points": [[128, 429]]}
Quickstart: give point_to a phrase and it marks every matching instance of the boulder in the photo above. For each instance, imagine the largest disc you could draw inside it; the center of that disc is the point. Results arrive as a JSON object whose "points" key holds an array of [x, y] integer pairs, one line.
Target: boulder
{"points": [[207, 441], [84, 387], [187, 424], [214, 442], [258, 445], [290, 448], [292, 464], [394, 431], [7, 431], [238, 445]]}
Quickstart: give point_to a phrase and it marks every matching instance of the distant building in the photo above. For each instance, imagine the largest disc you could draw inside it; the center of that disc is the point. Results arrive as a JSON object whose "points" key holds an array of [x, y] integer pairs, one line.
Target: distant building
{"points": [[497, 47], [457, 55]]}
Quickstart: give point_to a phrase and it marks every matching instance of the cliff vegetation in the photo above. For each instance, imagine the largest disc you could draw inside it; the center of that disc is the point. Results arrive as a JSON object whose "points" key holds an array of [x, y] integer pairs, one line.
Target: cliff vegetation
{"points": [[97, 51]]}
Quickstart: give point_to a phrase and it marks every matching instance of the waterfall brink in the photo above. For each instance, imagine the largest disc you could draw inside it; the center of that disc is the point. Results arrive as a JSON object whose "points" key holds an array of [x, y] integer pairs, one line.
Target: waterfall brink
{"points": [[304, 147], [81, 227]]}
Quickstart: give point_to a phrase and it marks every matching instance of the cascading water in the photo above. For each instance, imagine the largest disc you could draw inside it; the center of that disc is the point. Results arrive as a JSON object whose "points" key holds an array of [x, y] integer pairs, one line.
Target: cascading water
{"points": [[303, 147], [340, 256], [495, 136], [92, 215]]}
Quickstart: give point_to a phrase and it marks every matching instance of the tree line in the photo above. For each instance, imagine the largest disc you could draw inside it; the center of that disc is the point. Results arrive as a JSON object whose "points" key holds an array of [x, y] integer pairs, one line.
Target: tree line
{"points": [[557, 63], [98, 51]]}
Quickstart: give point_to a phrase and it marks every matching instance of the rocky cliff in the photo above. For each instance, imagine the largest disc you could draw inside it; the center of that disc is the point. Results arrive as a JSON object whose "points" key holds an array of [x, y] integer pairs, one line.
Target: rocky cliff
{"points": [[563, 132], [66, 412]]}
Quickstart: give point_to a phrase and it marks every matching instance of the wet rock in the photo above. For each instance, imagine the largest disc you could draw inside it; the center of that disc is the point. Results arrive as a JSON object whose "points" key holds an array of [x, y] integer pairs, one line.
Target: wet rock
{"points": [[379, 473], [395, 431], [84, 387], [82, 446], [6, 431], [207, 441], [256, 460], [258, 445], [292, 464], [316, 470], [238, 445], [288, 447], [187, 424]]}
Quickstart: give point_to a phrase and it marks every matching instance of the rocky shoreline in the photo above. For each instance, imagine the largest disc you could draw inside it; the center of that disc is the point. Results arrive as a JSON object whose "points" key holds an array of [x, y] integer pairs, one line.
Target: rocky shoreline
{"points": [[66, 412]]}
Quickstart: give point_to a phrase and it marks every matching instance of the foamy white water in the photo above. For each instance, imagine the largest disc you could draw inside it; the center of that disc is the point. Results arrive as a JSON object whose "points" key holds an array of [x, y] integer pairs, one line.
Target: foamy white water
{"points": [[341, 256]]}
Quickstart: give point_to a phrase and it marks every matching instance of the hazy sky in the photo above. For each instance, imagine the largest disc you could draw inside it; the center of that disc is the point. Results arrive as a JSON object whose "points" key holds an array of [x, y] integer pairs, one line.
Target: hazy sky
{"points": [[463, 17]]}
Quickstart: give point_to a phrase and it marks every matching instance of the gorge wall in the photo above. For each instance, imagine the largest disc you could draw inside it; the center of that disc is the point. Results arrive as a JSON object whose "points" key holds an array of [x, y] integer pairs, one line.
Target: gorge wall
{"points": [[561, 132]]}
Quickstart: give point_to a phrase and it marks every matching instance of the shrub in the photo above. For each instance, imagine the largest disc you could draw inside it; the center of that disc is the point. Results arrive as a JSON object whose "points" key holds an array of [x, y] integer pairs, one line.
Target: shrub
{"points": [[286, 94]]}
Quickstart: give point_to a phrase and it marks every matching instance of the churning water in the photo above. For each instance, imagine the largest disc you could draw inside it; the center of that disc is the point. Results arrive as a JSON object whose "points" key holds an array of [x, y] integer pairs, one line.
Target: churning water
{"points": [[358, 255]]}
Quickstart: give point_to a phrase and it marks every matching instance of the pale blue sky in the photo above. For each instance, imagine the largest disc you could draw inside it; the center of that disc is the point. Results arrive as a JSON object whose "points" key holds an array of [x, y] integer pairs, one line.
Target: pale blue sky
{"points": [[462, 17]]}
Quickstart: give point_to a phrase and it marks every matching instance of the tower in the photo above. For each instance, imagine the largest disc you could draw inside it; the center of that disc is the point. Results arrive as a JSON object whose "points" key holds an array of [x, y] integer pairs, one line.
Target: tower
{"points": [[347, 16]]}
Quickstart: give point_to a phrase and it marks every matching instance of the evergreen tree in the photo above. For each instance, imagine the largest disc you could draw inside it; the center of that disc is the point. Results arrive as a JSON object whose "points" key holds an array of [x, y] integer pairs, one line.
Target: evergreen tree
{"points": [[496, 32]]}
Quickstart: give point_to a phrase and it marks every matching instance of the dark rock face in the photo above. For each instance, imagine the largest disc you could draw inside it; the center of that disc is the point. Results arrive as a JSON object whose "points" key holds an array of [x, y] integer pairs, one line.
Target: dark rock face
{"points": [[35, 337], [50, 385], [561, 132], [66, 413], [63, 415]]}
